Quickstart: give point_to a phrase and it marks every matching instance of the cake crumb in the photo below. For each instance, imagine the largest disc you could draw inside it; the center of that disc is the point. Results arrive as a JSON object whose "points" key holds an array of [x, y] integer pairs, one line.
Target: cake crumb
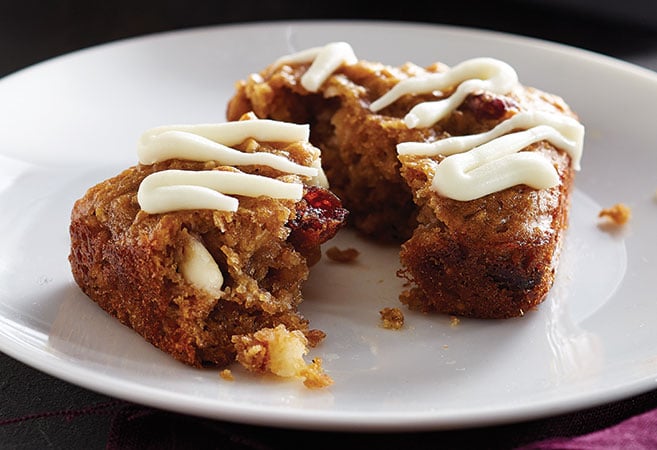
{"points": [[344, 256], [454, 321], [392, 318], [619, 214], [227, 375], [280, 351], [314, 375]]}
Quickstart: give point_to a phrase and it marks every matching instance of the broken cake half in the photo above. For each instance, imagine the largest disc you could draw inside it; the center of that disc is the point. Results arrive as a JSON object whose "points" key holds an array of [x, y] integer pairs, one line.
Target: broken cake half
{"points": [[469, 170], [208, 240]]}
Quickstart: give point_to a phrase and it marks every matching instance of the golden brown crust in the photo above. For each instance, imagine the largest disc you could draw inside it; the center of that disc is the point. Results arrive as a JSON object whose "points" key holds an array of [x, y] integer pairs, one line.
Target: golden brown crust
{"points": [[493, 257]]}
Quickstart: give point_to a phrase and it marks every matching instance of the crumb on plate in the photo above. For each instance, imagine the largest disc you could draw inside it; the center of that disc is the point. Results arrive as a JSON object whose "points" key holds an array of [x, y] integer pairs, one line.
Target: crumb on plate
{"points": [[345, 256], [618, 214], [280, 351], [227, 375], [392, 318]]}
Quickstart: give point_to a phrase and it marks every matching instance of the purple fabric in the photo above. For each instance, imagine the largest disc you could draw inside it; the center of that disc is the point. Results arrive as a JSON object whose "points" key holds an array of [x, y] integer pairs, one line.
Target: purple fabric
{"points": [[636, 433], [133, 427], [136, 427]]}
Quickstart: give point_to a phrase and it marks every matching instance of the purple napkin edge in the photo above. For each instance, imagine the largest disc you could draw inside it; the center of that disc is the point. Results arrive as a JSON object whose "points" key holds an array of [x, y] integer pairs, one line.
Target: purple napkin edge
{"points": [[636, 433]]}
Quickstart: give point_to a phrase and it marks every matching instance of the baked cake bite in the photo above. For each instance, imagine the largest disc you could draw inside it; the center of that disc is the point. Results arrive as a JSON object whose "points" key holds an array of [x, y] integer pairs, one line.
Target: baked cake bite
{"points": [[469, 170], [206, 243]]}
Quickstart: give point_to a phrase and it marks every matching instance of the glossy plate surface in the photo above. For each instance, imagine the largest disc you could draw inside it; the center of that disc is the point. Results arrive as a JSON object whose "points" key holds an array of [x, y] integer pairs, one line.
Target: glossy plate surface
{"points": [[73, 121]]}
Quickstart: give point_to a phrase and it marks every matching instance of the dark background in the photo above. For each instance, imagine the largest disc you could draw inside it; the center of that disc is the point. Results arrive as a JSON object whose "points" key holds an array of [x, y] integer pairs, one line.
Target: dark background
{"points": [[41, 412], [34, 30]]}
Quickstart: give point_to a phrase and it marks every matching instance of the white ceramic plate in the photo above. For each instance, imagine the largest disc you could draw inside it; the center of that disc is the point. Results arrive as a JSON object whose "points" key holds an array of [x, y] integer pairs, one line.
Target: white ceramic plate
{"points": [[71, 122]]}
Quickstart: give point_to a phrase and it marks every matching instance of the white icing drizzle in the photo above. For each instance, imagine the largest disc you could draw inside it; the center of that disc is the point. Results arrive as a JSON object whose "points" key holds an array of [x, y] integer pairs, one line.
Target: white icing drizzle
{"points": [[210, 142], [475, 165], [175, 190], [472, 75], [480, 164], [320, 179], [497, 165], [184, 145], [566, 133], [232, 133], [325, 61]]}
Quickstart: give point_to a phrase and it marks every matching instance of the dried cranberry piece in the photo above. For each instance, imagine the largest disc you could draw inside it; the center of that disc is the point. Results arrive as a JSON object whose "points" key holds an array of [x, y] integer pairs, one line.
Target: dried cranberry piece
{"points": [[488, 106], [319, 216]]}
